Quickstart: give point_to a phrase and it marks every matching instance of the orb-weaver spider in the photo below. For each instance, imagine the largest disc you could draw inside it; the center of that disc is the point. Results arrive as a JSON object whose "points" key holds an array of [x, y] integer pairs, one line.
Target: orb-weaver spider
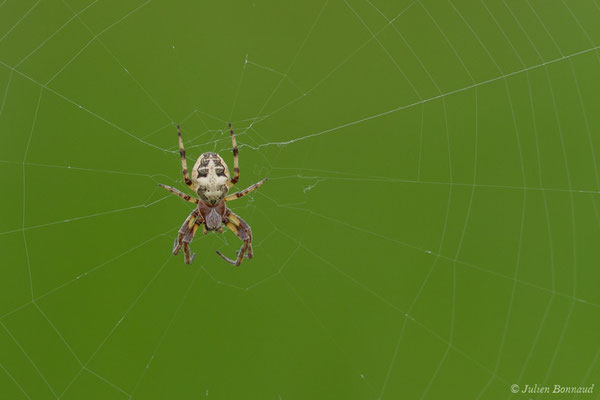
{"points": [[211, 181]]}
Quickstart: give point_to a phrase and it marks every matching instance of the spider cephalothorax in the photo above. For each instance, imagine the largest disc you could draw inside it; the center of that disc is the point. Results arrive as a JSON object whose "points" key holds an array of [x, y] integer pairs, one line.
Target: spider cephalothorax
{"points": [[211, 181]]}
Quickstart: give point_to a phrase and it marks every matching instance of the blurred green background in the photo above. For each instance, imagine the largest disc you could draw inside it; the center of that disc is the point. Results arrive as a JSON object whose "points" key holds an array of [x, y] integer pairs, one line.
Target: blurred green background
{"points": [[430, 229]]}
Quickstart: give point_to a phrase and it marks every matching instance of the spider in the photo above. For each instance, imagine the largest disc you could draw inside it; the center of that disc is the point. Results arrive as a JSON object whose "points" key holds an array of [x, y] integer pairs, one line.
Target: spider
{"points": [[211, 181]]}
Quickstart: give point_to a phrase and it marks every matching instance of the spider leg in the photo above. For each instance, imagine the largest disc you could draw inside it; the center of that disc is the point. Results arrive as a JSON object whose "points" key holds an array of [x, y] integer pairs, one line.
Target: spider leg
{"points": [[236, 161], [179, 193], [244, 192], [242, 230], [187, 224], [186, 175], [189, 258], [186, 234]]}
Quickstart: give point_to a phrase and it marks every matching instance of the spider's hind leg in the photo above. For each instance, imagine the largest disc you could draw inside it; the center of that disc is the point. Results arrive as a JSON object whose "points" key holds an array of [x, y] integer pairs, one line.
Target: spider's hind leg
{"points": [[236, 160], [184, 168]]}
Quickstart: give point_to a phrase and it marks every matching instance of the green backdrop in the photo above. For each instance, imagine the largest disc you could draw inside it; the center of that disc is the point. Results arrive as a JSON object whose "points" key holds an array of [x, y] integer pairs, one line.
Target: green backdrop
{"points": [[430, 229]]}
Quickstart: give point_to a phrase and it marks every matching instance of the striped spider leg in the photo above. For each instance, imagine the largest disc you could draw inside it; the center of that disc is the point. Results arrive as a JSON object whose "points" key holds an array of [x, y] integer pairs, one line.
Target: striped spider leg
{"points": [[242, 230]]}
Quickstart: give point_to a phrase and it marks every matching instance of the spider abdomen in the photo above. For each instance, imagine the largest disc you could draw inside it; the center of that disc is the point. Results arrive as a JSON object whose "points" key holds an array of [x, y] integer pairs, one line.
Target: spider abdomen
{"points": [[210, 177]]}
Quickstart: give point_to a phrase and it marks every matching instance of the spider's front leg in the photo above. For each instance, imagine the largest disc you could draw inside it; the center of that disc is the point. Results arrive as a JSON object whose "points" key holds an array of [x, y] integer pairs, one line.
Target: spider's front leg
{"points": [[243, 231], [186, 234]]}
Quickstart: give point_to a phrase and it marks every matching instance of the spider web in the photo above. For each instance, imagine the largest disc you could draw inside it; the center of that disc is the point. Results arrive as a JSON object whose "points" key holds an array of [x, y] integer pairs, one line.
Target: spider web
{"points": [[429, 229]]}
